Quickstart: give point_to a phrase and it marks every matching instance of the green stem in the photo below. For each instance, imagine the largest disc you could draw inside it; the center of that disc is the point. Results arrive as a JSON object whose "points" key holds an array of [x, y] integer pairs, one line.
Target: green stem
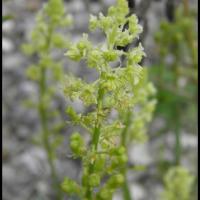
{"points": [[177, 147], [126, 191], [95, 139], [125, 188], [125, 130], [96, 136], [177, 144], [45, 132], [97, 127]]}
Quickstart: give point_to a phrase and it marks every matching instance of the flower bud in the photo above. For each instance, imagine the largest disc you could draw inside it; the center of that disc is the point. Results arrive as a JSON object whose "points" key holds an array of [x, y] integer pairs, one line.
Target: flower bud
{"points": [[99, 163], [93, 22], [77, 144], [115, 181], [74, 54], [105, 194], [94, 180], [94, 58], [69, 186], [110, 55]]}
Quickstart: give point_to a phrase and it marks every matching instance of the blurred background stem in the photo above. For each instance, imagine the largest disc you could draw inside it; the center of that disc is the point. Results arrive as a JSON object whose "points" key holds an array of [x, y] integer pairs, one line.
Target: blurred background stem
{"points": [[191, 42], [43, 113], [177, 148]]}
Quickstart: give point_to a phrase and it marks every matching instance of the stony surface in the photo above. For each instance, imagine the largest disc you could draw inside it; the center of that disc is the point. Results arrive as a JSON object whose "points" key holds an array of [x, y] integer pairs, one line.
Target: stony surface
{"points": [[25, 169]]}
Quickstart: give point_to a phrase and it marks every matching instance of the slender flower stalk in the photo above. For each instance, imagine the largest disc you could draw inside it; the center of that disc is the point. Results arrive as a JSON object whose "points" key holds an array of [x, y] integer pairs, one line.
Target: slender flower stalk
{"points": [[44, 39]]}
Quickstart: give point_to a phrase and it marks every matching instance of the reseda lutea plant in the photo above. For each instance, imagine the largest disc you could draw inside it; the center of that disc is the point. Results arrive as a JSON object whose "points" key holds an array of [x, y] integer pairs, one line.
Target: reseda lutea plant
{"points": [[123, 90], [46, 38]]}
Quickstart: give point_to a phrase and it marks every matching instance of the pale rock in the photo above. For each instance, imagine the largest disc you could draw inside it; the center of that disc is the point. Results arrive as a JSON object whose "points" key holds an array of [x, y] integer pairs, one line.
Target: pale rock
{"points": [[189, 140], [8, 26], [140, 154], [137, 191], [7, 45]]}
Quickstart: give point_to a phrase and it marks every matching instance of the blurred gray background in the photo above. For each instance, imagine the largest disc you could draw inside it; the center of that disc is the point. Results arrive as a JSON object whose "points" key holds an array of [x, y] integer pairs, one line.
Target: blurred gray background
{"points": [[25, 169]]}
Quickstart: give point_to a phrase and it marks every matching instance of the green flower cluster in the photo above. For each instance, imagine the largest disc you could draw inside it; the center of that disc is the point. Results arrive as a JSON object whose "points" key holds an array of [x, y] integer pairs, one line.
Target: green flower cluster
{"points": [[178, 184], [177, 36], [123, 90], [45, 36]]}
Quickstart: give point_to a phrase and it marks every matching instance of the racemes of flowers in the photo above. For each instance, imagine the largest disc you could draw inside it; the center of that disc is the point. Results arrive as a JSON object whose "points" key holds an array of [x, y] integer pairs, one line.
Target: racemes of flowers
{"points": [[123, 90], [45, 38]]}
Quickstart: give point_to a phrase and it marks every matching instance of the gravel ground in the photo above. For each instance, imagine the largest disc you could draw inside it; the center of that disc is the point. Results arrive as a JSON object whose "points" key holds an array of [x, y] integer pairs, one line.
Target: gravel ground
{"points": [[25, 169]]}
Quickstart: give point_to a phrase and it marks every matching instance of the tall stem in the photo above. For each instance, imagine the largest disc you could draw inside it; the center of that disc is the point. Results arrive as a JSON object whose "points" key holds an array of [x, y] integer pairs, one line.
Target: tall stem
{"points": [[125, 188], [45, 131], [43, 110], [177, 144], [97, 127], [177, 147], [126, 191], [95, 138]]}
